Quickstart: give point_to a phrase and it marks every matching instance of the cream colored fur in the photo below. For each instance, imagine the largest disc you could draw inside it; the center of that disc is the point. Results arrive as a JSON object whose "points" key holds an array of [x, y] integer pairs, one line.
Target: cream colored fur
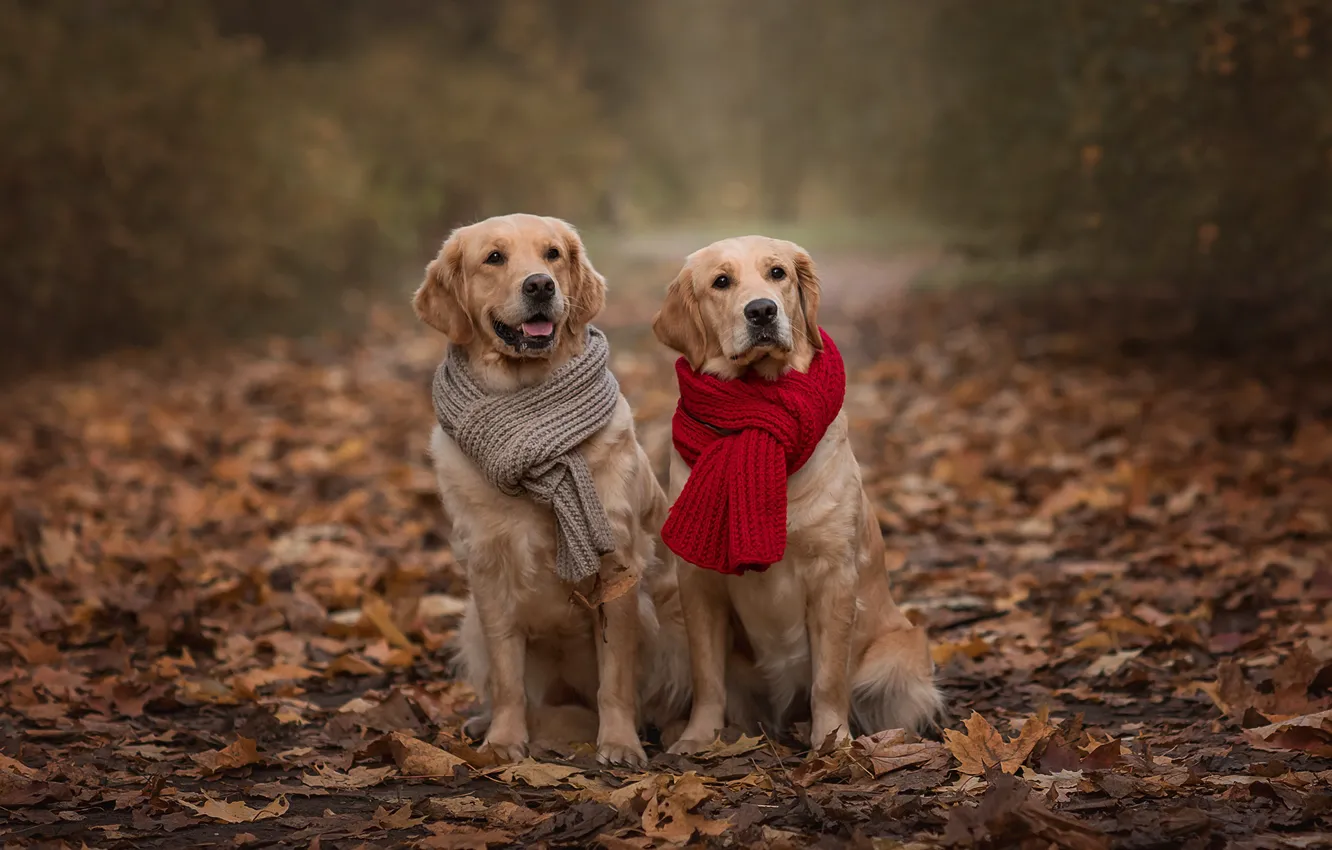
{"points": [[525, 643]]}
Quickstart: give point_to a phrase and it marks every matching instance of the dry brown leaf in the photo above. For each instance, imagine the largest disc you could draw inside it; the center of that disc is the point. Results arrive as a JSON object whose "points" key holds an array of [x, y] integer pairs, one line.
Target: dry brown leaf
{"points": [[889, 750], [719, 750], [446, 836], [357, 777], [240, 753], [608, 591], [1009, 812], [417, 758], [668, 815], [468, 807], [977, 749], [627, 796], [16, 767], [537, 774], [350, 664], [1111, 662], [238, 812], [253, 680], [1075, 494], [974, 648], [1034, 730], [1235, 696], [1309, 733], [400, 818], [981, 747], [380, 615]]}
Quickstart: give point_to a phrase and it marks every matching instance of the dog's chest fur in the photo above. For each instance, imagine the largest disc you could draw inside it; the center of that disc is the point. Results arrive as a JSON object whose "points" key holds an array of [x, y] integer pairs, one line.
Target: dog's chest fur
{"points": [[508, 543], [821, 542]]}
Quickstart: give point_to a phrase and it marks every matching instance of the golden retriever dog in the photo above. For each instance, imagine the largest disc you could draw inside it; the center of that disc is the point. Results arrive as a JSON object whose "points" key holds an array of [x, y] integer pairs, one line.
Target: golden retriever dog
{"points": [[822, 621], [516, 294]]}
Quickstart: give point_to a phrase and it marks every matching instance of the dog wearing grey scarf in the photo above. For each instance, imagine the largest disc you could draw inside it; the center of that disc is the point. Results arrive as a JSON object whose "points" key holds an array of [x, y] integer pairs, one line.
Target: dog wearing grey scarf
{"points": [[553, 504]]}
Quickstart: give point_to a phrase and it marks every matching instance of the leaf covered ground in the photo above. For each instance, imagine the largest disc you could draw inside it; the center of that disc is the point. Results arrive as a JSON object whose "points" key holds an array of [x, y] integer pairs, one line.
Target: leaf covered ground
{"points": [[226, 596]]}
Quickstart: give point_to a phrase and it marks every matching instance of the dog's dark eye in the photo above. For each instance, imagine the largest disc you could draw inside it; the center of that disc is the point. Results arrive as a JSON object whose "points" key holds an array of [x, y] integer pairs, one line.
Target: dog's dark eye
{"points": [[777, 273], [553, 254], [495, 258], [721, 281]]}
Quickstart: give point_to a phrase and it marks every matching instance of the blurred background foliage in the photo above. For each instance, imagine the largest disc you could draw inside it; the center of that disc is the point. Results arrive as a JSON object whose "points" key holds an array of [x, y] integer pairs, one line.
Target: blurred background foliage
{"points": [[209, 166]]}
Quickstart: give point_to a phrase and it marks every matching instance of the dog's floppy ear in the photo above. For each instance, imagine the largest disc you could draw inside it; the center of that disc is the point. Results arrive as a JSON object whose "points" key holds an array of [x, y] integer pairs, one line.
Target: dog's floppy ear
{"points": [[679, 323], [440, 301], [587, 288], [809, 290]]}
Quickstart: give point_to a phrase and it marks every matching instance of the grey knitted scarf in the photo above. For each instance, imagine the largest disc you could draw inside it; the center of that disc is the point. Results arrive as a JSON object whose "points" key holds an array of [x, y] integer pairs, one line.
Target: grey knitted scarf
{"points": [[527, 441]]}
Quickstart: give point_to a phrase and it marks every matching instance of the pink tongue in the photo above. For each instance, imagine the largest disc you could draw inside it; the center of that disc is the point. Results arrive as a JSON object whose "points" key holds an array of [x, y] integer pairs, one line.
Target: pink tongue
{"points": [[538, 328]]}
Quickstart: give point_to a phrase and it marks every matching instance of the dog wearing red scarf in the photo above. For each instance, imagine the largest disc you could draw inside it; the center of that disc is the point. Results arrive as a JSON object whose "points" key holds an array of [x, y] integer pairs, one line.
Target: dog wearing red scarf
{"points": [[779, 556]]}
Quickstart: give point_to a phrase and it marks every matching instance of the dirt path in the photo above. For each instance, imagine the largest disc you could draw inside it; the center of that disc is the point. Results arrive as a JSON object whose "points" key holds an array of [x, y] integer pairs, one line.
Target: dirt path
{"points": [[225, 600]]}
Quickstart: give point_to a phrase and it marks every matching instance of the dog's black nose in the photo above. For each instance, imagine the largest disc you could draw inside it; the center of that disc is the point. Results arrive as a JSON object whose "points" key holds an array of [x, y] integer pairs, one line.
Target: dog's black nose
{"points": [[540, 287], [761, 311]]}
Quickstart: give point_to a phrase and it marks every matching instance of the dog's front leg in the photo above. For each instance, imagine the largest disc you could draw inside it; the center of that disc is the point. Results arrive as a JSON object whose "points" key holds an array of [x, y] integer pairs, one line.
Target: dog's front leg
{"points": [[704, 599], [617, 686], [506, 646], [831, 617]]}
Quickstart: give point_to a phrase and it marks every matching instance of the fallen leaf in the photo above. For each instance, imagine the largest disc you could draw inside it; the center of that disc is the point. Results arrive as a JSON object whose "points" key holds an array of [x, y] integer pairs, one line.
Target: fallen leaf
{"points": [[981, 747], [608, 591], [357, 777], [1309, 733], [1102, 756], [350, 664], [16, 767], [944, 652], [459, 837], [1009, 815], [468, 807], [535, 773], [889, 750], [240, 753], [380, 615], [417, 758], [253, 680], [668, 814], [1111, 662], [400, 818], [1060, 784], [719, 750], [237, 812]]}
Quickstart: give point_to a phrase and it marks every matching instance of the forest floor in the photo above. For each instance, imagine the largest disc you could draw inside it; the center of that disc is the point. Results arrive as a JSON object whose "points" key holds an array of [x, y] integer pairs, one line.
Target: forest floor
{"points": [[226, 598]]}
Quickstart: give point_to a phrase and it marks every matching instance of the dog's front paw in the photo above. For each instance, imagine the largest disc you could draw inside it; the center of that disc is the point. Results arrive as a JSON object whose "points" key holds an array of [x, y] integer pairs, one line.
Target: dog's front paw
{"points": [[688, 746], [505, 750], [626, 753], [828, 736]]}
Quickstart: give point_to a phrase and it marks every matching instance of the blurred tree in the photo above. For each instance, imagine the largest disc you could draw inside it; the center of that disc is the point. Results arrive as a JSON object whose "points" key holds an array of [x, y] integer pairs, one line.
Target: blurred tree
{"points": [[173, 179], [224, 163], [1189, 138]]}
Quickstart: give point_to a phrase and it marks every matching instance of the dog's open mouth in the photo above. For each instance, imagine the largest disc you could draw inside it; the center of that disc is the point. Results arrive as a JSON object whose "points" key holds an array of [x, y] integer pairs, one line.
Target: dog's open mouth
{"points": [[536, 333]]}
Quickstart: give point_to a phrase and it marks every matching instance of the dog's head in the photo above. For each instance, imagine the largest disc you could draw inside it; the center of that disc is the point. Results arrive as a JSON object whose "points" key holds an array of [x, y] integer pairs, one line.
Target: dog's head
{"points": [[748, 302], [519, 287]]}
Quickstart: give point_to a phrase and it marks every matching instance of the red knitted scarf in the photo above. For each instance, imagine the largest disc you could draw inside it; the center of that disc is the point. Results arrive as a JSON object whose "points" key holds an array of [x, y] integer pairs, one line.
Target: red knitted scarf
{"points": [[742, 439]]}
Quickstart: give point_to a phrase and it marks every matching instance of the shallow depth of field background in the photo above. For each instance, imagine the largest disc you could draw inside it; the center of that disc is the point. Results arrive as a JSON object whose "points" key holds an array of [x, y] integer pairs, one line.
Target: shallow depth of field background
{"points": [[1075, 254], [213, 167]]}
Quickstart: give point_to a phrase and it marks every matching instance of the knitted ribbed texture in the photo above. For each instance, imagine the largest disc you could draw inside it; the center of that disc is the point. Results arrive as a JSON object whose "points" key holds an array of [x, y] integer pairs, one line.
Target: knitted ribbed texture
{"points": [[742, 439], [527, 441]]}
